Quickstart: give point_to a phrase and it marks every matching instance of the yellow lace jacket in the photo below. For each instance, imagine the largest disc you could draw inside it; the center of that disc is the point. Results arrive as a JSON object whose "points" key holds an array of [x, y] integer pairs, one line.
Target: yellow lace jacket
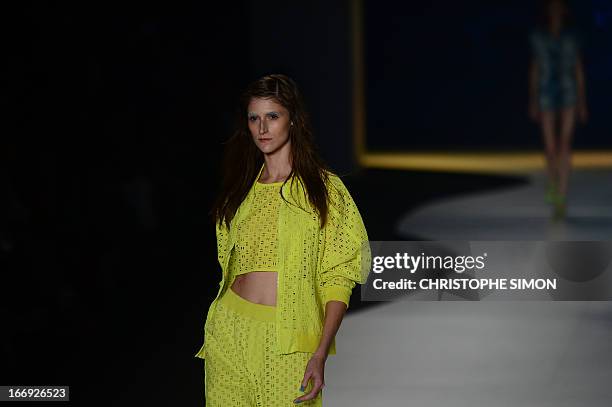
{"points": [[315, 265]]}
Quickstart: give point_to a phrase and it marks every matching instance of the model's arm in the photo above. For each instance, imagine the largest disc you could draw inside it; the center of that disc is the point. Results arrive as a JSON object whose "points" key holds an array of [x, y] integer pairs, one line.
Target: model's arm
{"points": [[533, 90], [580, 83], [342, 267], [315, 370], [334, 313]]}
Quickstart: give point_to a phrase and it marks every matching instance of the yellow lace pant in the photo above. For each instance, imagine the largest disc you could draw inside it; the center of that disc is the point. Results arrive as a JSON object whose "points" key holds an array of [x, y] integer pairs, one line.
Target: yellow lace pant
{"points": [[242, 367]]}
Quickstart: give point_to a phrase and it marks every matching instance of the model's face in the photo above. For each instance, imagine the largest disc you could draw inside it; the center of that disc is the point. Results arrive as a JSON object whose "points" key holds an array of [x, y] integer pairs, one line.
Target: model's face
{"points": [[269, 124], [556, 9]]}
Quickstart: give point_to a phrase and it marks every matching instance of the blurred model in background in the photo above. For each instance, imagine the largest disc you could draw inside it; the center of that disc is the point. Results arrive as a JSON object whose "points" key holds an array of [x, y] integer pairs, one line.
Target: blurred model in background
{"points": [[556, 95]]}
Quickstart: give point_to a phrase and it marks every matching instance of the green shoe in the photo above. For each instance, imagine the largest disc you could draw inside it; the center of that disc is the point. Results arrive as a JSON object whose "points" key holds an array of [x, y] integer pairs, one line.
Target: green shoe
{"points": [[551, 194], [560, 208]]}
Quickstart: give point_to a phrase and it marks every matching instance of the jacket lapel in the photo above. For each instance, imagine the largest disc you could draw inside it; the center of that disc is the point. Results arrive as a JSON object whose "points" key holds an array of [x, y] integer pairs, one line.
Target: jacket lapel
{"points": [[240, 213]]}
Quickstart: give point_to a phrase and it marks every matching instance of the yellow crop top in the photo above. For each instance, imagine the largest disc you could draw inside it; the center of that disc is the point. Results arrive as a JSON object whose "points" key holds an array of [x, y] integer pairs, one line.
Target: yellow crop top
{"points": [[256, 236]]}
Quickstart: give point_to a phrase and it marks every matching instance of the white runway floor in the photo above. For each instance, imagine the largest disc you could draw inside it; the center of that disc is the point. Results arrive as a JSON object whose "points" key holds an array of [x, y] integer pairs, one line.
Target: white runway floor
{"points": [[519, 213], [489, 353]]}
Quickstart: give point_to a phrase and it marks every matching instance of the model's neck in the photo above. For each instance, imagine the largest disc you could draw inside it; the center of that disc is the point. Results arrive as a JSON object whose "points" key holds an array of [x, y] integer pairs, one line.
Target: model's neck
{"points": [[555, 24], [275, 169]]}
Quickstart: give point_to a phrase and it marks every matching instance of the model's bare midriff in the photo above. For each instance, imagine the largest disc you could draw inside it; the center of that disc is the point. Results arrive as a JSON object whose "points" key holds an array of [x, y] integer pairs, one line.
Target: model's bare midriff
{"points": [[256, 286]]}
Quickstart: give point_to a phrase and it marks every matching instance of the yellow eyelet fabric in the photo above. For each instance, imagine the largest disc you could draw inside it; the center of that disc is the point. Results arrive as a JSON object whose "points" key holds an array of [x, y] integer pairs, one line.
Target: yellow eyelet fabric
{"points": [[243, 367], [256, 246]]}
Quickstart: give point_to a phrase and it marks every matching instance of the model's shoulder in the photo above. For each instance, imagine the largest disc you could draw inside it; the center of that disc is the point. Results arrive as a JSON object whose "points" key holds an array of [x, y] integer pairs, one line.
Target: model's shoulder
{"points": [[571, 36], [337, 191], [536, 33], [537, 37], [333, 177], [334, 180]]}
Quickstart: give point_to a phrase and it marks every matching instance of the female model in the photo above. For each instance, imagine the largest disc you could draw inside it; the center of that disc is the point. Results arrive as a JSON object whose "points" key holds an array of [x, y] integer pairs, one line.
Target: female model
{"points": [[557, 94], [289, 242]]}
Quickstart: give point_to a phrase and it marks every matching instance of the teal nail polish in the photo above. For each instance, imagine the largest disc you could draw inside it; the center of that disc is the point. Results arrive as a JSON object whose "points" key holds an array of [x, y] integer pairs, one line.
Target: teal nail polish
{"points": [[302, 388], [297, 401]]}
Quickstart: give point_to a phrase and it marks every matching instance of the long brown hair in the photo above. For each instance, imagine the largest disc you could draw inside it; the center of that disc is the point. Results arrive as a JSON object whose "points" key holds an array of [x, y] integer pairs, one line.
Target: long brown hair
{"points": [[242, 159]]}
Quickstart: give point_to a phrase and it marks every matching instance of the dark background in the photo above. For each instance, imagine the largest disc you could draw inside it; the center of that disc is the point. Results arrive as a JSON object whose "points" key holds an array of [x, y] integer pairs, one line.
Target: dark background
{"points": [[117, 112]]}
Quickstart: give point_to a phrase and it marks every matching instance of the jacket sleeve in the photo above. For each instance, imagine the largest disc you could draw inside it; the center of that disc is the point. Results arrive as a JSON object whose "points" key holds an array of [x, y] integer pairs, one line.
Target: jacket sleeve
{"points": [[346, 251], [222, 240]]}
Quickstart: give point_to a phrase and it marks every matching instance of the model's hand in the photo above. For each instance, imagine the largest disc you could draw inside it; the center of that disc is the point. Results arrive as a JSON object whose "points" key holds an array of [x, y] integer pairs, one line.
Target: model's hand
{"points": [[583, 113], [534, 111], [314, 371]]}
